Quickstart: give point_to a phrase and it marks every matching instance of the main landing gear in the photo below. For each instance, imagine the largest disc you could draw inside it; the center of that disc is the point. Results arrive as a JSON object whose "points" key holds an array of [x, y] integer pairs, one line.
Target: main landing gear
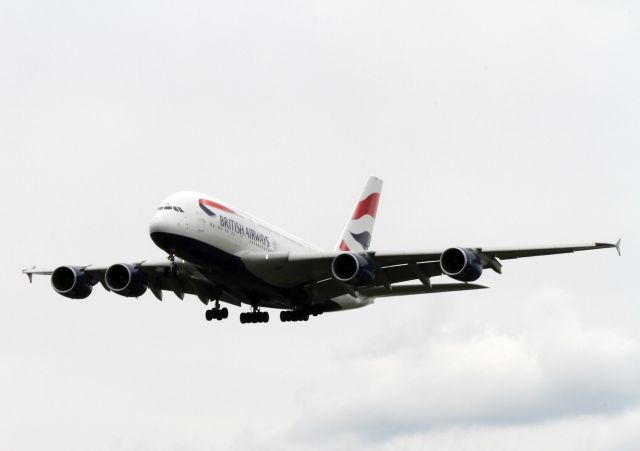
{"points": [[217, 313], [254, 316], [293, 315], [301, 313]]}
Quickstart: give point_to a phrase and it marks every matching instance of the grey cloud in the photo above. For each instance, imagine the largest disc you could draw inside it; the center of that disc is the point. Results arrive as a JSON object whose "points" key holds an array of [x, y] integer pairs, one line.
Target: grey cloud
{"points": [[462, 375]]}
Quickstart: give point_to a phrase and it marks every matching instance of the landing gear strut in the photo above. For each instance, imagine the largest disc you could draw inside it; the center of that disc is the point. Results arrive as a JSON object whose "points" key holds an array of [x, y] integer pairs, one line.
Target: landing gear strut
{"points": [[254, 316], [172, 259], [216, 313]]}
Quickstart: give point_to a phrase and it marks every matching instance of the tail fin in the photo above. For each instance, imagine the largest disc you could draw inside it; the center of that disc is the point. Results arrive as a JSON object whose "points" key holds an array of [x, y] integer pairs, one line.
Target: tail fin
{"points": [[358, 231]]}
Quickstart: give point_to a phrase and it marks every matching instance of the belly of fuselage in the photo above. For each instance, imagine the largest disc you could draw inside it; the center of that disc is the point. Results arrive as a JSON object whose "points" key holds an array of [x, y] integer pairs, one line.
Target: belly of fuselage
{"points": [[227, 271]]}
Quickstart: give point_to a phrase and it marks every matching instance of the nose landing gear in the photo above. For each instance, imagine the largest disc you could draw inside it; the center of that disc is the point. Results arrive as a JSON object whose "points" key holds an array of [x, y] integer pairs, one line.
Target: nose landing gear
{"points": [[172, 259]]}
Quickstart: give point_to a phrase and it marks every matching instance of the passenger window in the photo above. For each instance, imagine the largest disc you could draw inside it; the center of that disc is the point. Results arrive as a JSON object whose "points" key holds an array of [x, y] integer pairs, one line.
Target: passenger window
{"points": [[168, 207]]}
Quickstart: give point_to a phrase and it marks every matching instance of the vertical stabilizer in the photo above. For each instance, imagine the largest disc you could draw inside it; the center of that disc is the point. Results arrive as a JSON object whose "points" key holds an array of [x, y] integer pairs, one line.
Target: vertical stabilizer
{"points": [[357, 233]]}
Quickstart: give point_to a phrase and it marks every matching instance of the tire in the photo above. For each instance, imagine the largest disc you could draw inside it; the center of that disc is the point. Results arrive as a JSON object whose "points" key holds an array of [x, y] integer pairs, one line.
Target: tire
{"points": [[243, 318], [224, 313], [208, 315]]}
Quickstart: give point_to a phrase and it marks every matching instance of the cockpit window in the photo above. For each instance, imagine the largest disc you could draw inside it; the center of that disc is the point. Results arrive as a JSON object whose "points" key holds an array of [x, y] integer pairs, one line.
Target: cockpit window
{"points": [[170, 207]]}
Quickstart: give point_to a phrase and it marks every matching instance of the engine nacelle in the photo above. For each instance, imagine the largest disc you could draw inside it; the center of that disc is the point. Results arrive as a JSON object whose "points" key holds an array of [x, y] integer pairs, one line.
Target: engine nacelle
{"points": [[354, 269], [462, 264], [125, 280], [71, 282]]}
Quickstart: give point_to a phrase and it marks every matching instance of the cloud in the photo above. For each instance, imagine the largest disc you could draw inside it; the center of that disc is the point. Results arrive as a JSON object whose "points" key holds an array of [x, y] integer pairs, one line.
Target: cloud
{"points": [[545, 364], [617, 432], [492, 123]]}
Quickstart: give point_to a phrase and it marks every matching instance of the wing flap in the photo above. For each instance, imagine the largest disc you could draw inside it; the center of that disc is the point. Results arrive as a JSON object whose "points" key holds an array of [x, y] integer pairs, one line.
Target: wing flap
{"points": [[510, 253], [404, 273], [409, 290]]}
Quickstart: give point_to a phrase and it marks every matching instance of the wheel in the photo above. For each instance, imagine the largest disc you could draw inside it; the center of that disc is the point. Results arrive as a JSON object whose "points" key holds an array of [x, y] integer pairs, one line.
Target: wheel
{"points": [[208, 315], [224, 313], [284, 316], [243, 318], [219, 315], [265, 317]]}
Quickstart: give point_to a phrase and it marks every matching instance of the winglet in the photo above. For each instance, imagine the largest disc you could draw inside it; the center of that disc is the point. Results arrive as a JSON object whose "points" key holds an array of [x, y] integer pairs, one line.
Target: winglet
{"points": [[29, 273], [618, 246]]}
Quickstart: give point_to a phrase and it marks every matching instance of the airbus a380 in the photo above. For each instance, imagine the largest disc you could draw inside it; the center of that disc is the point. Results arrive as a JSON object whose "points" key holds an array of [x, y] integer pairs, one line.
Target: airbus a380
{"points": [[222, 254]]}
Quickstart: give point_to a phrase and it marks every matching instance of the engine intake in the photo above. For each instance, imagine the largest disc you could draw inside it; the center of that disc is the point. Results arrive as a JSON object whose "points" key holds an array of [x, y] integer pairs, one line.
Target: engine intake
{"points": [[462, 264], [126, 280], [71, 282], [354, 269]]}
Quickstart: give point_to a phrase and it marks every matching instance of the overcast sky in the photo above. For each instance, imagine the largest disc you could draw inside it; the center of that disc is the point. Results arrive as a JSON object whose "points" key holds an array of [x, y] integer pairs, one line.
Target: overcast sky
{"points": [[492, 123]]}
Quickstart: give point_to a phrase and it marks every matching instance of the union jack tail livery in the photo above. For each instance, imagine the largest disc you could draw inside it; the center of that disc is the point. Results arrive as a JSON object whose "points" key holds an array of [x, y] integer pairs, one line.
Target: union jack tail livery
{"points": [[357, 233]]}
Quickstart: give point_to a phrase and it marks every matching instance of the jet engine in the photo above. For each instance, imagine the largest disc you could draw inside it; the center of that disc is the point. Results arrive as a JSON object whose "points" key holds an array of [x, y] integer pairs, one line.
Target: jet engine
{"points": [[354, 269], [461, 263], [126, 280], [71, 282]]}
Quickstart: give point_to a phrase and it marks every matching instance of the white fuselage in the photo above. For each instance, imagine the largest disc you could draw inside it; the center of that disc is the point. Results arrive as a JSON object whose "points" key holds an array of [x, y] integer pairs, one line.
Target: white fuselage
{"points": [[215, 226]]}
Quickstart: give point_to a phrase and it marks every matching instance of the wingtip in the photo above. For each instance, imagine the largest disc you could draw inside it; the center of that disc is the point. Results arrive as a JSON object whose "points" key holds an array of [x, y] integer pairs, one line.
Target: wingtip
{"points": [[475, 286], [618, 246], [28, 273]]}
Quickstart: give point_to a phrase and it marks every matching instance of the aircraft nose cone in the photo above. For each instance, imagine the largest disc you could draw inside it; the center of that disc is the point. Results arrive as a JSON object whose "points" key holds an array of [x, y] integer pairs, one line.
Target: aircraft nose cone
{"points": [[157, 223], [161, 230]]}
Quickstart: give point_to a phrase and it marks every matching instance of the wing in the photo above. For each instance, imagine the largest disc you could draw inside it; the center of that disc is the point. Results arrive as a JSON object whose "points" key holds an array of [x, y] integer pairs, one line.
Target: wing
{"points": [[180, 278], [314, 269]]}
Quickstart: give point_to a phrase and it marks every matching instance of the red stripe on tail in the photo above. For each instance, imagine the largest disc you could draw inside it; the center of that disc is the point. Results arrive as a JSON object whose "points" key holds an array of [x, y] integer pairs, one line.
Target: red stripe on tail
{"points": [[368, 206], [343, 246]]}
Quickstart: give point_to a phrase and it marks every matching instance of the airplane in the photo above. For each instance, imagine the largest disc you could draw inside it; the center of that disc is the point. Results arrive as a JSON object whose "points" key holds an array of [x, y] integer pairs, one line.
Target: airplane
{"points": [[220, 253]]}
